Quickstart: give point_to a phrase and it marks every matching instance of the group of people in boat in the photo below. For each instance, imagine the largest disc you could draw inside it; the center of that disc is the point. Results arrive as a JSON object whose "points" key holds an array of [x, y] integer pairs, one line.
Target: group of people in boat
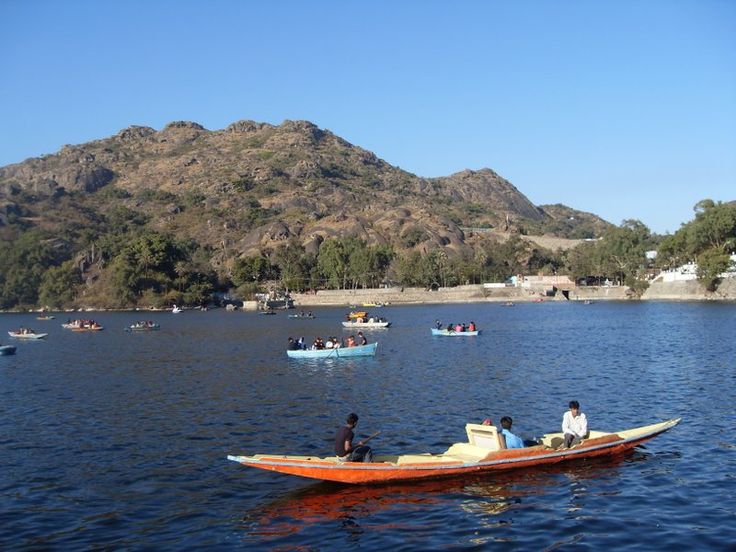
{"points": [[81, 323], [331, 343], [145, 324], [574, 429], [364, 319], [25, 331], [460, 327]]}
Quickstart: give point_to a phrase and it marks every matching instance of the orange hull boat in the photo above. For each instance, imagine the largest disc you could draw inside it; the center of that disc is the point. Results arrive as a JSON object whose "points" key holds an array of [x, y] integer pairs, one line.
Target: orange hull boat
{"points": [[480, 454]]}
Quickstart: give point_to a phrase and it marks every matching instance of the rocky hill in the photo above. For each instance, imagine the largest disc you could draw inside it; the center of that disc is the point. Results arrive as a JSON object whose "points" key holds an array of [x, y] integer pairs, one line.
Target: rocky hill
{"points": [[251, 186]]}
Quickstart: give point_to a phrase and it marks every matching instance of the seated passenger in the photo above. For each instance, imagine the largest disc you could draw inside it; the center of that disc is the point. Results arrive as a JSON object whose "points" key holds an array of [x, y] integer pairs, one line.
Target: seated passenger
{"points": [[471, 327], [574, 425], [511, 440], [329, 344]]}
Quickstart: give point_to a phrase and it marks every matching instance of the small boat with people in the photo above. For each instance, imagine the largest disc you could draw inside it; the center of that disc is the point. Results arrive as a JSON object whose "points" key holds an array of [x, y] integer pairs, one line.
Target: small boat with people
{"points": [[373, 305], [82, 325], [455, 330], [302, 314], [483, 453], [45, 317], [27, 333], [143, 326], [335, 352], [365, 321], [454, 333], [7, 350]]}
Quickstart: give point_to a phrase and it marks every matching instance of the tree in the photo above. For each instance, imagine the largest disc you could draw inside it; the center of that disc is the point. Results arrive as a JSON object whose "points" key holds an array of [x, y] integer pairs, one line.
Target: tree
{"points": [[59, 285], [291, 262], [711, 264], [334, 262]]}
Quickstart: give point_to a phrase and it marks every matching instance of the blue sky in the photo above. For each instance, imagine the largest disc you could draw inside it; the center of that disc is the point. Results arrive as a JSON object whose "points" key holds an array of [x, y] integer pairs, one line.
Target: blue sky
{"points": [[626, 109]]}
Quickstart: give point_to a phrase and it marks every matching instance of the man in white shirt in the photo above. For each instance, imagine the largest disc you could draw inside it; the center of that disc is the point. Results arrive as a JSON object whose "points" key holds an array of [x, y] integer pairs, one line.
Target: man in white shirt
{"points": [[574, 425]]}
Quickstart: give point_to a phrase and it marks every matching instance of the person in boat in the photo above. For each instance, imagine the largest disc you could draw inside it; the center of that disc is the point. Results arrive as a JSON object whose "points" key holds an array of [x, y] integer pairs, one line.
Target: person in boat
{"points": [[459, 328], [301, 343], [335, 343], [361, 339], [471, 326], [351, 341], [450, 327], [329, 344], [438, 324], [318, 343], [292, 345], [344, 448], [574, 425], [510, 440]]}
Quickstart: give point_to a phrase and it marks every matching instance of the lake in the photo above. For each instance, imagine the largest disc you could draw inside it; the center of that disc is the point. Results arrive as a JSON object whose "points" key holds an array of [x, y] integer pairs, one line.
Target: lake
{"points": [[119, 440]]}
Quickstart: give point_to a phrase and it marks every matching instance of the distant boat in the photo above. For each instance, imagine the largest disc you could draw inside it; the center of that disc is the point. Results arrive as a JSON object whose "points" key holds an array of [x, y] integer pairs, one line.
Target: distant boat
{"points": [[367, 325], [358, 314], [82, 326], [453, 333], [340, 352], [175, 310], [45, 317], [267, 312], [89, 328], [27, 335], [6, 350], [302, 315], [143, 327], [482, 453]]}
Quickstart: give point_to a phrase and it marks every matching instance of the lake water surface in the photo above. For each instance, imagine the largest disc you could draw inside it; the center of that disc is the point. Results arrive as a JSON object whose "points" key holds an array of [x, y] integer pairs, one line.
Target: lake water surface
{"points": [[119, 440]]}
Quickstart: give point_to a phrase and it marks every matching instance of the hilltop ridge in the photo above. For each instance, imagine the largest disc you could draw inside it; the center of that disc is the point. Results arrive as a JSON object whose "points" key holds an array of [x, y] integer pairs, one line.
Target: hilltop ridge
{"points": [[251, 185]]}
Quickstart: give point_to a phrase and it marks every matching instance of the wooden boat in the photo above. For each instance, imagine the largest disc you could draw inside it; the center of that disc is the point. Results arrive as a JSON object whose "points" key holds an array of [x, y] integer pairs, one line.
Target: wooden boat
{"points": [[367, 325], [453, 333], [6, 350], [340, 352], [27, 335], [482, 453], [143, 327]]}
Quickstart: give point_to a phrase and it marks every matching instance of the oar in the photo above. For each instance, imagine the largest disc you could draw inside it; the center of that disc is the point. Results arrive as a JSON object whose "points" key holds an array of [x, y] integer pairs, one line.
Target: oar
{"points": [[364, 441]]}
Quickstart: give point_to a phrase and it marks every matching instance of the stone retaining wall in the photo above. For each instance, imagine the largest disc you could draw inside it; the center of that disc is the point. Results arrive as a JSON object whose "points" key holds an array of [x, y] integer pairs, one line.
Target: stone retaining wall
{"points": [[679, 291]]}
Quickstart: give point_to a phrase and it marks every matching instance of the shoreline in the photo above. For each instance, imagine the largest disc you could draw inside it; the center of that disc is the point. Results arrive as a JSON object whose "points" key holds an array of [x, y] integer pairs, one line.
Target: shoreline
{"points": [[689, 291]]}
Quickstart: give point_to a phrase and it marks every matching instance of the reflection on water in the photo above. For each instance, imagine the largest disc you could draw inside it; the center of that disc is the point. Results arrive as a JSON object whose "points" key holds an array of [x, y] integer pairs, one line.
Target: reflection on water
{"points": [[485, 498]]}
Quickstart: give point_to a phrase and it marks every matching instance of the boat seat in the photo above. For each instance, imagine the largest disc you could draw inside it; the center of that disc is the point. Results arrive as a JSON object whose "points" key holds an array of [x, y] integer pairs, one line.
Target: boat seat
{"points": [[483, 436], [466, 452]]}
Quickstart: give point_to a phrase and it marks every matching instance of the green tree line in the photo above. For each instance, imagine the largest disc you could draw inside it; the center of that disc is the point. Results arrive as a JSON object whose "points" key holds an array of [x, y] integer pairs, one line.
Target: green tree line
{"points": [[123, 263]]}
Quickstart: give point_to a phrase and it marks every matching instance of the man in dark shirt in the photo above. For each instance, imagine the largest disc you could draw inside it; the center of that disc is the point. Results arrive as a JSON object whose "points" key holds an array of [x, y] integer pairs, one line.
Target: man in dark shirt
{"points": [[344, 443]]}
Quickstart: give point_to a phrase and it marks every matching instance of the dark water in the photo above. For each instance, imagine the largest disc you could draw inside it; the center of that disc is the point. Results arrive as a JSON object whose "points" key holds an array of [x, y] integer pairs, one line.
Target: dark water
{"points": [[119, 440]]}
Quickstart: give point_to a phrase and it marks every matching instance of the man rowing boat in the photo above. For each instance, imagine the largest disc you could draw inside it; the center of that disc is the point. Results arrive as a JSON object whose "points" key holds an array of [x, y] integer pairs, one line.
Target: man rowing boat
{"points": [[344, 443]]}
